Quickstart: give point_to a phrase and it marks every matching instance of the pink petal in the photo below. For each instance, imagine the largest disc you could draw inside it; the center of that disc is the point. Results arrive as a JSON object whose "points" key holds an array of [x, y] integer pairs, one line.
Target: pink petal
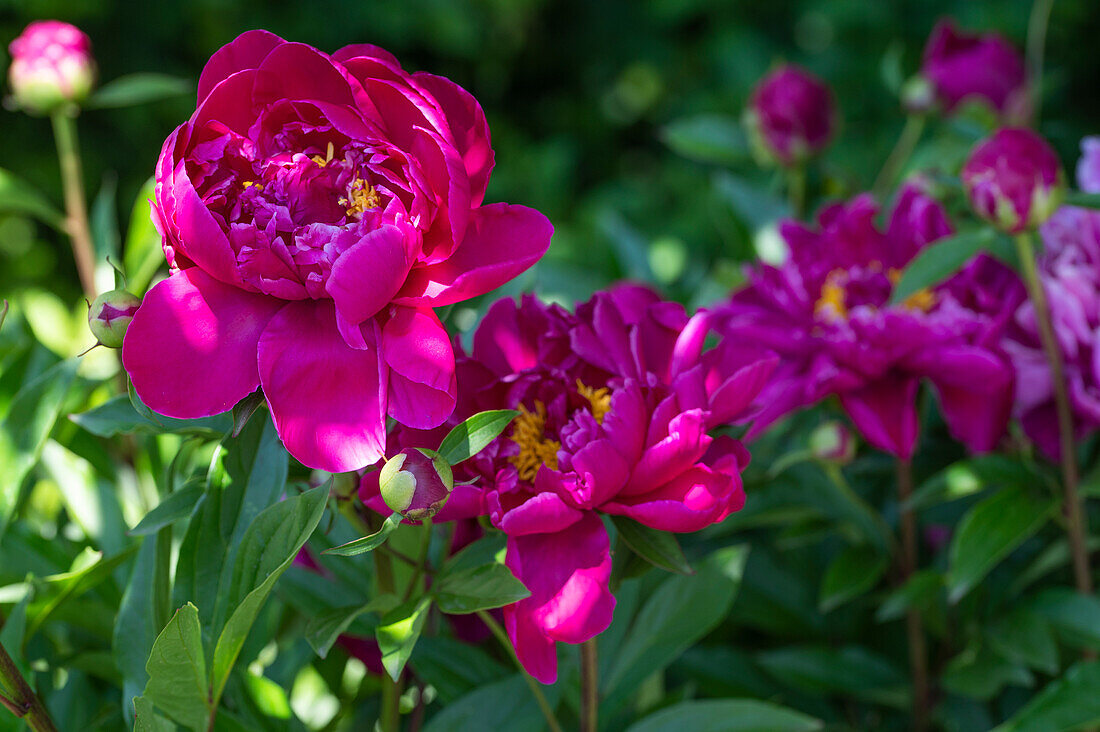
{"points": [[685, 443], [328, 400], [191, 348], [976, 390], [885, 413], [542, 513], [692, 501], [368, 50], [299, 71], [468, 127], [201, 236], [369, 274], [502, 240], [534, 649], [246, 51], [418, 351]]}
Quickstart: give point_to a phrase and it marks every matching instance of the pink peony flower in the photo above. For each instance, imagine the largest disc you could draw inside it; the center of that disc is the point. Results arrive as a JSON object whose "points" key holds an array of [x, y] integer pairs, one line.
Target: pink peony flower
{"points": [[1014, 179], [314, 210], [615, 405], [51, 65], [964, 65], [791, 115], [827, 313]]}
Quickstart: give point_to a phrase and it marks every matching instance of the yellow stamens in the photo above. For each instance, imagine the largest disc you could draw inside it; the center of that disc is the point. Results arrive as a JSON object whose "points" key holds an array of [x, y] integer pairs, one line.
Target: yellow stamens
{"points": [[831, 303], [363, 198], [534, 449], [250, 183], [923, 299], [599, 400], [323, 161]]}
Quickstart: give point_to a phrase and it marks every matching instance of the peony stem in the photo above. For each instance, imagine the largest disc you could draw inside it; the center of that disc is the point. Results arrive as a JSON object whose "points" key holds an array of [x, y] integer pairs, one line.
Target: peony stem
{"points": [[80, 233], [23, 703], [544, 706], [918, 655], [796, 190], [899, 156], [590, 687], [422, 560], [1076, 521], [1036, 46], [390, 715]]}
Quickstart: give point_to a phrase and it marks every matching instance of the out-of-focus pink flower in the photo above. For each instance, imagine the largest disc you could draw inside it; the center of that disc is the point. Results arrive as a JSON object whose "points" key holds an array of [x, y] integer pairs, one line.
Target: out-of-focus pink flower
{"points": [[1069, 269], [1014, 179], [961, 66], [314, 210], [615, 403], [827, 313], [51, 65], [791, 115]]}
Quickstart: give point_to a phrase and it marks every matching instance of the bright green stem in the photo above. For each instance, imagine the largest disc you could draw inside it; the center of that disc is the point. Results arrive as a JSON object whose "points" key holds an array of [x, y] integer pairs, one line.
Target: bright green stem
{"points": [[544, 706], [76, 225], [1076, 522], [899, 156], [918, 653], [22, 702], [590, 687], [796, 190], [1036, 47]]}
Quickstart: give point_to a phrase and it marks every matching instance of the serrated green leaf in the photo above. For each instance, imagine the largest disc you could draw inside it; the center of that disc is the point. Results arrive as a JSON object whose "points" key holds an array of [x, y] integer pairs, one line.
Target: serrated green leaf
{"points": [[472, 436], [708, 138], [20, 197], [990, 531], [266, 550], [939, 260], [398, 632], [482, 588], [140, 88], [175, 506], [851, 573], [659, 548], [177, 671], [370, 542], [726, 715]]}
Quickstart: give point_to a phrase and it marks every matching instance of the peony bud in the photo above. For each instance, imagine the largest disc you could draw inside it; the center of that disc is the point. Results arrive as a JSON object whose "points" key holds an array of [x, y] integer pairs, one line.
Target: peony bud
{"points": [[790, 116], [416, 483], [109, 316], [963, 65], [51, 66], [833, 442], [918, 96], [1014, 179]]}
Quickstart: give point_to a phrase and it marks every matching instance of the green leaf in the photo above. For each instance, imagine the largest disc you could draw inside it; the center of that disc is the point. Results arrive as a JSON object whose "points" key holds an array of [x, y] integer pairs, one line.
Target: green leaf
{"points": [[974, 475], [104, 225], [920, 591], [631, 249], [175, 506], [1082, 199], [142, 254], [708, 138], [980, 673], [244, 409], [501, 705], [989, 532], [398, 632], [322, 630], [20, 197], [681, 611], [659, 548], [471, 437], [851, 671], [1026, 637], [851, 573], [89, 569], [370, 542], [266, 550], [755, 207], [147, 720], [482, 588], [133, 89], [27, 426], [454, 668], [136, 624], [1076, 617], [117, 416], [939, 260], [1069, 703], [177, 671], [726, 715]]}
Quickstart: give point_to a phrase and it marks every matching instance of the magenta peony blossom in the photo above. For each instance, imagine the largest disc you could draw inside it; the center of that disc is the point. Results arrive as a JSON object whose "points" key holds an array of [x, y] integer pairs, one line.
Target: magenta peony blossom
{"points": [[1069, 269], [615, 405], [51, 65], [314, 210], [791, 115], [826, 312], [963, 65], [1014, 179]]}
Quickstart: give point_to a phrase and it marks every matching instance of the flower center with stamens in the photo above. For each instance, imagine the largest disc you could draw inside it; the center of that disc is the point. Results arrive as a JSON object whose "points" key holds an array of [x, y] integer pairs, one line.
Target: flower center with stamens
{"points": [[534, 449], [599, 400], [363, 198], [831, 304]]}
